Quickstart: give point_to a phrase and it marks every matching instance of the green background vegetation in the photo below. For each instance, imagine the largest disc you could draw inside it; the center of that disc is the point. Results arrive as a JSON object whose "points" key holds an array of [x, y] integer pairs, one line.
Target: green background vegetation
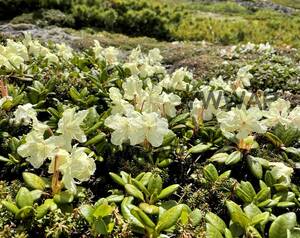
{"points": [[224, 22]]}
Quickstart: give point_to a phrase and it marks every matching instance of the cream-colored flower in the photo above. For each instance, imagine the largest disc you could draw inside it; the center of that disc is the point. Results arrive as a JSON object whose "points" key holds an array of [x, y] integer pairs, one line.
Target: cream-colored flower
{"points": [[219, 83], [111, 54], [209, 106], [69, 126], [133, 67], [278, 113], [64, 51], [120, 106], [76, 167], [177, 81], [154, 128], [125, 128], [97, 49], [243, 77], [241, 121], [154, 57], [25, 114], [16, 48], [36, 149], [169, 103], [133, 86], [294, 117]]}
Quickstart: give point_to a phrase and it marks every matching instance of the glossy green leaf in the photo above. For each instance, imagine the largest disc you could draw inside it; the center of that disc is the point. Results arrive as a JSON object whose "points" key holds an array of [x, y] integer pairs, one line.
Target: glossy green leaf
{"points": [[33, 181]]}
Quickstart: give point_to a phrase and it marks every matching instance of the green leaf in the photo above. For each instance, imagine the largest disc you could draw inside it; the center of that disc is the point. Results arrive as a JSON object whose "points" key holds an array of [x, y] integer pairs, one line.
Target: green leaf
{"points": [[155, 184], [10, 206], [200, 148], [228, 233], [24, 212], [169, 218], [255, 167], [237, 215], [63, 197], [96, 139], [146, 178], [115, 198], [149, 209], [100, 227], [282, 224], [87, 212], [24, 198], [260, 219], [36, 194], [246, 192], [117, 179], [210, 172], [216, 221], [195, 217], [127, 214], [234, 158], [34, 181], [252, 232], [3, 159], [219, 157], [141, 187], [146, 220], [103, 210], [134, 191], [212, 232], [263, 194], [166, 192]]}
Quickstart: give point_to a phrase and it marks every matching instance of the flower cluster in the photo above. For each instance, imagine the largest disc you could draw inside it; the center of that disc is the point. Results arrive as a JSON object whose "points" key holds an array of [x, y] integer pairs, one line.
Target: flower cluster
{"points": [[71, 161]]}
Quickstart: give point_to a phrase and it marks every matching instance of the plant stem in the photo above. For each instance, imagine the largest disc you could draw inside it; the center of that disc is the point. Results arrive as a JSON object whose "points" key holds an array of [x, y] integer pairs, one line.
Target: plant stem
{"points": [[4, 90], [56, 185]]}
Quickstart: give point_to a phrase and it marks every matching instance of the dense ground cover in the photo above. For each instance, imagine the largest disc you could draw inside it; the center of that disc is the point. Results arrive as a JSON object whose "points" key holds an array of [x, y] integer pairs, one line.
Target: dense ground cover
{"points": [[107, 142]]}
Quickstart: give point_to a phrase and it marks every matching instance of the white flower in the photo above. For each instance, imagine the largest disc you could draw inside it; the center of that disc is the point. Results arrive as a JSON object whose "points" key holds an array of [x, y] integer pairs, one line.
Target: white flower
{"points": [[168, 104], [294, 117], [120, 106], [209, 106], [51, 58], [265, 48], [155, 128], [136, 56], [36, 149], [154, 56], [111, 54], [243, 77], [177, 81], [219, 83], [64, 51], [17, 48], [277, 113], [152, 98], [241, 121], [133, 67], [69, 126], [125, 129], [25, 114], [136, 128], [97, 49], [133, 86], [75, 167]]}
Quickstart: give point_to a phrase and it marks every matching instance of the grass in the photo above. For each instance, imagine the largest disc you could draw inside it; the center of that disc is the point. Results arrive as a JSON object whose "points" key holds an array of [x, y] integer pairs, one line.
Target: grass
{"points": [[288, 3]]}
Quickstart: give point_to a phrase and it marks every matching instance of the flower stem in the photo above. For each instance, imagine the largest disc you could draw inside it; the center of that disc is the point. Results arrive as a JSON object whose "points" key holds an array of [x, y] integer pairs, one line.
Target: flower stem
{"points": [[56, 185], [3, 87]]}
